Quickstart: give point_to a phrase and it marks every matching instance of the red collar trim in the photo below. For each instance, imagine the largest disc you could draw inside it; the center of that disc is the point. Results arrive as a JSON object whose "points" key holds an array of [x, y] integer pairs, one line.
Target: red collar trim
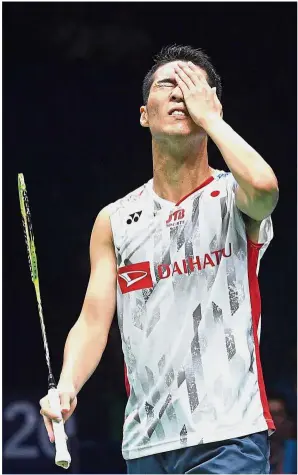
{"points": [[205, 183]]}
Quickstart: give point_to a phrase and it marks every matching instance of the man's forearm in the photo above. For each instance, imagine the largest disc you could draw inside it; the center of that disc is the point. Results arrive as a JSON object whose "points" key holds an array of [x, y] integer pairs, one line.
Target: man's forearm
{"points": [[84, 347], [250, 170]]}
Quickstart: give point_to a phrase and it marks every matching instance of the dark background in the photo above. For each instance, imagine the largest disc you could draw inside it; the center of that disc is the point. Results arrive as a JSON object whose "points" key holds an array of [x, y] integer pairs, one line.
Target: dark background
{"points": [[72, 75]]}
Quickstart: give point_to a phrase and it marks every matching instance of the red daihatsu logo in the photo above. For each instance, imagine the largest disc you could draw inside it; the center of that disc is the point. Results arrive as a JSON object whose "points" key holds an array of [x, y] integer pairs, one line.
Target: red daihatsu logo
{"points": [[135, 277]]}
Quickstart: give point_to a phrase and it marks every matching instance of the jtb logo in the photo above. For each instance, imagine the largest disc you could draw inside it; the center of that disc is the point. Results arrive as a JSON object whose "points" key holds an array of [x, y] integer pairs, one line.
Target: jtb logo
{"points": [[176, 216], [135, 277]]}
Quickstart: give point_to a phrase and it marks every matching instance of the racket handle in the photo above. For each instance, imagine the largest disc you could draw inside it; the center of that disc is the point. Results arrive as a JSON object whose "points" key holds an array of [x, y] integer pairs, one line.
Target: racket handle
{"points": [[62, 458]]}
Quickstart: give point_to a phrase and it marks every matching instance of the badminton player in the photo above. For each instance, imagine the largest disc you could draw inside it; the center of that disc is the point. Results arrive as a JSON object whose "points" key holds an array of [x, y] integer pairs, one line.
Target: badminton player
{"points": [[179, 258]]}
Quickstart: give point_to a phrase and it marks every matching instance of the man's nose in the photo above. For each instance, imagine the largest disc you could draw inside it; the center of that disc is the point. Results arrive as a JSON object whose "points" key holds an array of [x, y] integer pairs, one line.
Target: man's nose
{"points": [[177, 95]]}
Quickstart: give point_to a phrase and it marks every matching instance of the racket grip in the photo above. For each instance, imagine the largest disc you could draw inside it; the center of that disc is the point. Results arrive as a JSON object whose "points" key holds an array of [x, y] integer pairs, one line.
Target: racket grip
{"points": [[62, 458]]}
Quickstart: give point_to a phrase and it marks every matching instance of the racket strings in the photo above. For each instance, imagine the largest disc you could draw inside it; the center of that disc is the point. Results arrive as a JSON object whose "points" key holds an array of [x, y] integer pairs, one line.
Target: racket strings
{"points": [[32, 259]]}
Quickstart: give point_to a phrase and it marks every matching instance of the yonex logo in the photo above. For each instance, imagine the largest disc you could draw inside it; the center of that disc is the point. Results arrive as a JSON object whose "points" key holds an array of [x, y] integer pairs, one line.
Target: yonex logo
{"points": [[134, 217], [135, 277]]}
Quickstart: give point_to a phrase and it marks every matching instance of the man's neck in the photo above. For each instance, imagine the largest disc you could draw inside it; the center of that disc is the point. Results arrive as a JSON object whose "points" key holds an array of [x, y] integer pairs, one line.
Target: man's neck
{"points": [[179, 168]]}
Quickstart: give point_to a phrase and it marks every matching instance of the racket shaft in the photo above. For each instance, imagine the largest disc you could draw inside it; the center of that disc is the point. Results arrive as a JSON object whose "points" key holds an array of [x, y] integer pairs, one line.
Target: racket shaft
{"points": [[62, 458]]}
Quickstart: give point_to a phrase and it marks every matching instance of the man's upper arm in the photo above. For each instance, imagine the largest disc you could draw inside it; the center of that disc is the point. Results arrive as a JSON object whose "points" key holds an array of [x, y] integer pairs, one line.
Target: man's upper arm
{"points": [[256, 216], [259, 204], [100, 300]]}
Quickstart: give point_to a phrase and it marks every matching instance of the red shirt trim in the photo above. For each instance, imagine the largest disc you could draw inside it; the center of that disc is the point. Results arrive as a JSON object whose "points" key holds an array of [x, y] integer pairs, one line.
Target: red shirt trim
{"points": [[255, 299], [126, 382], [205, 183], [257, 245]]}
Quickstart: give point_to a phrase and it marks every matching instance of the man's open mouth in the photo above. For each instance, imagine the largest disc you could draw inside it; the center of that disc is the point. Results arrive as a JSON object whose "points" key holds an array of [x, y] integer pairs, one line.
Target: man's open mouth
{"points": [[178, 112]]}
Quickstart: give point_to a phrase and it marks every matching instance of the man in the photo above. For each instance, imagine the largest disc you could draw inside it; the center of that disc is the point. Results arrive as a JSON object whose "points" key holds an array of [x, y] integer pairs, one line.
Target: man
{"points": [[283, 457], [180, 255]]}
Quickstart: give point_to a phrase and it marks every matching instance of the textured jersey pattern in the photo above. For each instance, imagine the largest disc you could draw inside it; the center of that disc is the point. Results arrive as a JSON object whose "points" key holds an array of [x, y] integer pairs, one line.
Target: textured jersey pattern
{"points": [[185, 317]]}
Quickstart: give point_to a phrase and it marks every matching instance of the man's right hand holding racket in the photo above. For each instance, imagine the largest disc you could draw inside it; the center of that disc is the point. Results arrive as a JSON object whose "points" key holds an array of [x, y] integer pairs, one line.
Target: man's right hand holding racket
{"points": [[88, 337], [68, 403]]}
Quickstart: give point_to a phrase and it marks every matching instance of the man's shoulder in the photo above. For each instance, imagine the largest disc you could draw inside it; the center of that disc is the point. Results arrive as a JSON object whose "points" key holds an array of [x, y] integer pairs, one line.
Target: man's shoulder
{"points": [[223, 176], [225, 181], [129, 199]]}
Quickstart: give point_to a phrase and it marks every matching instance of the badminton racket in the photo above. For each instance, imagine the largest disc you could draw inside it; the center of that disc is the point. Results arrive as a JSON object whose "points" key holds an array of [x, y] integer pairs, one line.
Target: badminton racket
{"points": [[62, 457]]}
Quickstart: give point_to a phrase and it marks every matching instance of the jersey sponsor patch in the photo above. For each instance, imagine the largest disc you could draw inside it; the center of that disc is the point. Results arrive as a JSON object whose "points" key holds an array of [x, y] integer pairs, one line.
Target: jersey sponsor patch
{"points": [[176, 217], [135, 277]]}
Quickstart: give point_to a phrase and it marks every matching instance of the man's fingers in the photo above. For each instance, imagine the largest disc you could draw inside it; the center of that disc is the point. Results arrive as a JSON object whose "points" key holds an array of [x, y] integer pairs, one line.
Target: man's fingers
{"points": [[47, 411], [67, 414], [198, 72], [50, 414], [73, 405], [215, 96], [181, 84], [184, 77], [217, 101], [49, 427], [68, 404], [191, 74], [65, 402]]}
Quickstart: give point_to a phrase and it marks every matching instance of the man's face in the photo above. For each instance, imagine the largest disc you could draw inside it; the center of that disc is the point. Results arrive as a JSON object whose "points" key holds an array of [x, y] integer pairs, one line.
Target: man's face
{"points": [[166, 112], [278, 412]]}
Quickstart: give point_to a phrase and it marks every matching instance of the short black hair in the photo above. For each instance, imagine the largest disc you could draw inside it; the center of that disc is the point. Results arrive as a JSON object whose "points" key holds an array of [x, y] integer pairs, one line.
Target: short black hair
{"points": [[182, 53]]}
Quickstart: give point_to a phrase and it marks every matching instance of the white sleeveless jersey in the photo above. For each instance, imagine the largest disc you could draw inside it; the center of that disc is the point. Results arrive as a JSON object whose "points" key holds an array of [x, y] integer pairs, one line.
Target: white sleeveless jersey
{"points": [[188, 307]]}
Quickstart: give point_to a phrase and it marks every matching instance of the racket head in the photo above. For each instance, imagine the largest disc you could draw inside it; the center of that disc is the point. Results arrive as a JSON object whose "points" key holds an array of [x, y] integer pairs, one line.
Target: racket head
{"points": [[27, 227], [32, 258]]}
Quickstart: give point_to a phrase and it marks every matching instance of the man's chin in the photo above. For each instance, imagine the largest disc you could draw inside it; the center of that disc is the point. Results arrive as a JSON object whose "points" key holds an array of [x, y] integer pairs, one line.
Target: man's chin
{"points": [[179, 130]]}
